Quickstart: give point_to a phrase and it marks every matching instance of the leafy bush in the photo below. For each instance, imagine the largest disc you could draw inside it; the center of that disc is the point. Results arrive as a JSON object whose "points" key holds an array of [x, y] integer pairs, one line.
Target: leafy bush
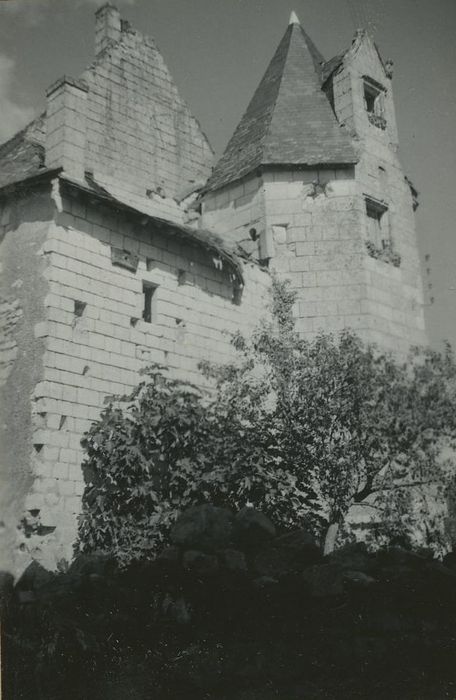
{"points": [[303, 430]]}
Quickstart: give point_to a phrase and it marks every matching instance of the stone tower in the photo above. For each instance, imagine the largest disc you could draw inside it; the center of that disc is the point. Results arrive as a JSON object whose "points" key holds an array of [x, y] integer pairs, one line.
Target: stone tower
{"points": [[310, 184]]}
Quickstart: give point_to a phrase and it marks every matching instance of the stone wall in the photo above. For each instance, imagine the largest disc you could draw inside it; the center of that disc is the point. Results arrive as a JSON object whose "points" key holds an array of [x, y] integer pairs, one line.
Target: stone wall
{"points": [[124, 124], [237, 212], [139, 129], [23, 286], [316, 227], [312, 224], [94, 341], [394, 294]]}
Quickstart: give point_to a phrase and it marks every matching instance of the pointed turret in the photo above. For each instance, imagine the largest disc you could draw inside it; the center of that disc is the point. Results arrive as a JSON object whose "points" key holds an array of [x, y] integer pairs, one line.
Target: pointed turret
{"points": [[289, 120], [294, 19]]}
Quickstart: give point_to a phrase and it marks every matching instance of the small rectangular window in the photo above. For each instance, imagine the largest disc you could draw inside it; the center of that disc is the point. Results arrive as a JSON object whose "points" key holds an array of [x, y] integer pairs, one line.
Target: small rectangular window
{"points": [[149, 302]]}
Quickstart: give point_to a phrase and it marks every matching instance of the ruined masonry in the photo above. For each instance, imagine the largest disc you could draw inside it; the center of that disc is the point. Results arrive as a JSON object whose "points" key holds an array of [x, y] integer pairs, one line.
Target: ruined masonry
{"points": [[122, 245]]}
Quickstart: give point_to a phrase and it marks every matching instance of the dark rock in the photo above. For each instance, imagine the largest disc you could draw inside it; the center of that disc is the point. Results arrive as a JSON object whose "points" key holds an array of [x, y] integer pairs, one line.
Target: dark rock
{"points": [[96, 563], [288, 554], [324, 580], [252, 528], [234, 560], [206, 528], [200, 563], [354, 557], [34, 577]]}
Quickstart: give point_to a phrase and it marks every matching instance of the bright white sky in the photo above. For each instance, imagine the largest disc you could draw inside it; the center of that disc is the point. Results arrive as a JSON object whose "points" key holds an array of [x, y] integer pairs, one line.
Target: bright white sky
{"points": [[217, 51]]}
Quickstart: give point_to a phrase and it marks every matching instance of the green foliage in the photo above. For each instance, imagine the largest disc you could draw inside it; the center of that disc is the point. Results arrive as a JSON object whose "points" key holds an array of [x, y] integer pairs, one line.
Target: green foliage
{"points": [[305, 431], [142, 460]]}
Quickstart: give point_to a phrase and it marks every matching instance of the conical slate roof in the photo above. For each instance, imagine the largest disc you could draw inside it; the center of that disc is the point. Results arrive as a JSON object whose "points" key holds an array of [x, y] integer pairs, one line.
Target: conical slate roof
{"points": [[289, 120]]}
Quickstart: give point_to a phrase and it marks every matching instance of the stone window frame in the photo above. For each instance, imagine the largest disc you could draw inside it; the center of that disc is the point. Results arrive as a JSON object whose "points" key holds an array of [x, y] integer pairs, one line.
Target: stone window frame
{"points": [[379, 243], [374, 101]]}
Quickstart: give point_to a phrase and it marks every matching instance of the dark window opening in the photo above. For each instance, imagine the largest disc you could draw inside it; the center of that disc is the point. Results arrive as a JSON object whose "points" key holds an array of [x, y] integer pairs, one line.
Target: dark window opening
{"points": [[79, 308], [370, 98], [377, 223], [149, 302], [374, 100]]}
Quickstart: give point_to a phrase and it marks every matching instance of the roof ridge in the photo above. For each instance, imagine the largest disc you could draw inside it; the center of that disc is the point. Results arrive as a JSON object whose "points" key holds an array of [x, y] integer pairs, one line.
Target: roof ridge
{"points": [[266, 131]]}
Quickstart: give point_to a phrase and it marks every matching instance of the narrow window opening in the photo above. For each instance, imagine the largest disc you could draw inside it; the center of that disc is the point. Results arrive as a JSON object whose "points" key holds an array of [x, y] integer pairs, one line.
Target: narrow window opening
{"points": [[79, 308], [237, 293], [374, 100], [370, 97], [149, 302]]}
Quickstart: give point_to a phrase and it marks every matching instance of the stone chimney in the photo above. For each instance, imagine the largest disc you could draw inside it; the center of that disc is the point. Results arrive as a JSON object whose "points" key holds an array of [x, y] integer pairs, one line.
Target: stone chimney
{"points": [[66, 126], [108, 27]]}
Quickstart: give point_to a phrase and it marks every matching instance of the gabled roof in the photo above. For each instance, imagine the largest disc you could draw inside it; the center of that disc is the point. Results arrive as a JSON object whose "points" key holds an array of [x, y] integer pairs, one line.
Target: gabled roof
{"points": [[289, 120]]}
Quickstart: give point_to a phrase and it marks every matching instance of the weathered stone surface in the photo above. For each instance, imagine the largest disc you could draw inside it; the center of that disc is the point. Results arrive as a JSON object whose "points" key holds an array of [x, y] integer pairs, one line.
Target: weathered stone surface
{"points": [[205, 527], [252, 528]]}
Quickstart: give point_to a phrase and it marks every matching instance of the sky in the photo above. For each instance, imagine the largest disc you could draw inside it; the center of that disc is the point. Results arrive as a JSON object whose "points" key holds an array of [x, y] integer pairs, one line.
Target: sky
{"points": [[217, 51]]}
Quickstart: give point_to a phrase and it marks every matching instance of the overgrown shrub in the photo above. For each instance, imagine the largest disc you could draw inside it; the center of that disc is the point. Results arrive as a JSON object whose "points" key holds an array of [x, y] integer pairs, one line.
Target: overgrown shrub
{"points": [[302, 430]]}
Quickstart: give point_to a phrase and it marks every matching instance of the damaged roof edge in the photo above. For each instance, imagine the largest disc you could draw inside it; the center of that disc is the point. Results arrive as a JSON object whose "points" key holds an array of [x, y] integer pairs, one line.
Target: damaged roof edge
{"points": [[208, 240], [200, 237]]}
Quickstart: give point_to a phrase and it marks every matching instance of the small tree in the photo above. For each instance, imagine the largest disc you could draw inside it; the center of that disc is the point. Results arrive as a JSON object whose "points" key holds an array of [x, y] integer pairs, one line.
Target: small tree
{"points": [[168, 446], [303, 430], [355, 426]]}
